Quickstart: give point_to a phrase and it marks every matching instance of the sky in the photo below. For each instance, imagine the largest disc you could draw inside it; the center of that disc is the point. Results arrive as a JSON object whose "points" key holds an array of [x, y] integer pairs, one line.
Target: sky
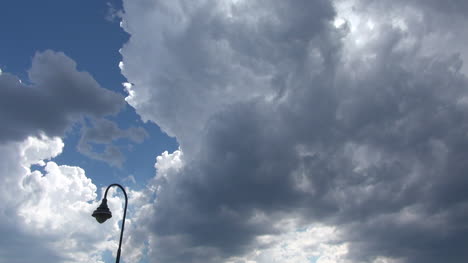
{"points": [[244, 131]]}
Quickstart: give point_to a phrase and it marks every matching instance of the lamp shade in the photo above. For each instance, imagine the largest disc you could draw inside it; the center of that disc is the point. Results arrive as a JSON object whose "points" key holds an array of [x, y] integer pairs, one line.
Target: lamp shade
{"points": [[102, 213]]}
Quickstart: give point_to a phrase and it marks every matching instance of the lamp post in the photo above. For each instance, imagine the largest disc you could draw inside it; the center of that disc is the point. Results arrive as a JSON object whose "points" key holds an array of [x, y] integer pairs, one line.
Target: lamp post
{"points": [[102, 213]]}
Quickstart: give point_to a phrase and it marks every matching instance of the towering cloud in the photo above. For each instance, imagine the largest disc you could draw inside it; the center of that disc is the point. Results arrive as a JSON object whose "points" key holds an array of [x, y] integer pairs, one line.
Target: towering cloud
{"points": [[344, 117]]}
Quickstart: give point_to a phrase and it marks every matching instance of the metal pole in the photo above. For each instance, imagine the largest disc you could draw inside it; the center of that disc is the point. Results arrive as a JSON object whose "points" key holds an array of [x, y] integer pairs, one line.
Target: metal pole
{"points": [[123, 221]]}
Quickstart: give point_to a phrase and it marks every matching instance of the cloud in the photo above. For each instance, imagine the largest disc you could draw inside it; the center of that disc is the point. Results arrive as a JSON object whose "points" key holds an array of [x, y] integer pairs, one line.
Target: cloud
{"points": [[314, 243], [48, 213], [214, 57], [282, 113], [105, 132], [58, 96], [140, 241], [113, 13]]}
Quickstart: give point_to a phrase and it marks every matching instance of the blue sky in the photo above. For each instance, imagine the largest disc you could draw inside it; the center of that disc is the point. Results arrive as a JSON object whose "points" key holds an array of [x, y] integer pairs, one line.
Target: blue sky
{"points": [[326, 131], [84, 31]]}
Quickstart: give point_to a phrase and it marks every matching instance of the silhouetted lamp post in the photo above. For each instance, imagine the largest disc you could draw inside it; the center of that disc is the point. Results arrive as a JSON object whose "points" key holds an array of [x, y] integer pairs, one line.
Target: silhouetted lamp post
{"points": [[102, 213]]}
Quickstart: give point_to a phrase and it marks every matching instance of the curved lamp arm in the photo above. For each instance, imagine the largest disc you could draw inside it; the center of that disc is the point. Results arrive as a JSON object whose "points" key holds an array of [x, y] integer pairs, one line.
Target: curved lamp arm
{"points": [[124, 215]]}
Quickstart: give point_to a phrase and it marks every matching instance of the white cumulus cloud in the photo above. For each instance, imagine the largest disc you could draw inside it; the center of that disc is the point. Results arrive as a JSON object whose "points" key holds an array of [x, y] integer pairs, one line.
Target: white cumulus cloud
{"points": [[49, 213]]}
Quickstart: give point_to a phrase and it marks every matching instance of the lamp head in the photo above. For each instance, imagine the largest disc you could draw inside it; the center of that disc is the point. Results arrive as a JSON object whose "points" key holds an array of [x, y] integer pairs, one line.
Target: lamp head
{"points": [[102, 213]]}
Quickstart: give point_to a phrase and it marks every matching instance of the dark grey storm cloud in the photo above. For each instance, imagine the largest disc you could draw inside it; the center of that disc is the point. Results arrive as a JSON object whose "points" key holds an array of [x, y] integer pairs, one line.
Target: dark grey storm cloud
{"points": [[57, 96], [282, 112]]}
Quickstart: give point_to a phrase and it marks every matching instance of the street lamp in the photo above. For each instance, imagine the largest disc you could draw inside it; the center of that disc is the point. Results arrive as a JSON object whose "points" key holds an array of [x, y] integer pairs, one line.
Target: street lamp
{"points": [[102, 213]]}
